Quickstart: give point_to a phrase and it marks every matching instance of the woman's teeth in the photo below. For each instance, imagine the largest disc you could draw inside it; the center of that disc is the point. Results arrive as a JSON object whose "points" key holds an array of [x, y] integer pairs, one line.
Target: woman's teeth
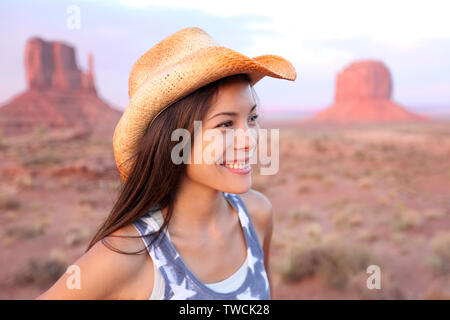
{"points": [[238, 165]]}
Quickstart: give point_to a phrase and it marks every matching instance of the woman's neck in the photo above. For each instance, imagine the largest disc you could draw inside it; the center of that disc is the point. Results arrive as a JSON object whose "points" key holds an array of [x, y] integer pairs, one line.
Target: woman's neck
{"points": [[198, 209]]}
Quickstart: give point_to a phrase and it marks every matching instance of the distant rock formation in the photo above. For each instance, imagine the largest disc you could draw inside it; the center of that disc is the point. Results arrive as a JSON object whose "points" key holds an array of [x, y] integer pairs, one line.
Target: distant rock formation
{"points": [[363, 94], [59, 94], [53, 65]]}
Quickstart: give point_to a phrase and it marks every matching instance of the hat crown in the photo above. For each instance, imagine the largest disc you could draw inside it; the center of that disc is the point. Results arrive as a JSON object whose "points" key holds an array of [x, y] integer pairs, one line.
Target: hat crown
{"points": [[166, 53]]}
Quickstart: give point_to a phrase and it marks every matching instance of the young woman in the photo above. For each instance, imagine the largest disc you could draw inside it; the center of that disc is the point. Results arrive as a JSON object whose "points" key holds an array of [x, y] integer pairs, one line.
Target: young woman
{"points": [[202, 231]]}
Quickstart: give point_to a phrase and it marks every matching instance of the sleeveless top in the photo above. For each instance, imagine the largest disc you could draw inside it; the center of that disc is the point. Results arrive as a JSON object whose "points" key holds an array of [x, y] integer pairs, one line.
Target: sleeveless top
{"points": [[231, 283], [181, 284]]}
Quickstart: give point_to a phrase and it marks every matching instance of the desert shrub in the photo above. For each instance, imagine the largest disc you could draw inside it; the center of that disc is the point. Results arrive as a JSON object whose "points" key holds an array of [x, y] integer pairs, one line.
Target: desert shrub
{"points": [[24, 181], [436, 293], [304, 189], [335, 263], [368, 236], [43, 158], [3, 145], [314, 232], [301, 213], [318, 145], [365, 182], [92, 202], [7, 203], [40, 131], [311, 173], [440, 245], [40, 272], [76, 235], [28, 231], [433, 214], [111, 185], [407, 219]]}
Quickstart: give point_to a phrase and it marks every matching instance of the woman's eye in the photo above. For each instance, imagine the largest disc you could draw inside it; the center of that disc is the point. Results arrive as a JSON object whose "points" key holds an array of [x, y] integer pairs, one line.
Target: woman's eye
{"points": [[253, 118], [225, 124]]}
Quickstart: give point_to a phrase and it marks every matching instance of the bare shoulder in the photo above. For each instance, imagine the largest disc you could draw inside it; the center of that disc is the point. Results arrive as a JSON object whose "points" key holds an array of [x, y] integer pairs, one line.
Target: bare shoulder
{"points": [[260, 210], [107, 274], [126, 239]]}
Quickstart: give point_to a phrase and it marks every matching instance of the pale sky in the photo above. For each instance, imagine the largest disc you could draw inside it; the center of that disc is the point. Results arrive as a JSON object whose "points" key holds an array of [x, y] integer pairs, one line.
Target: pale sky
{"points": [[320, 38]]}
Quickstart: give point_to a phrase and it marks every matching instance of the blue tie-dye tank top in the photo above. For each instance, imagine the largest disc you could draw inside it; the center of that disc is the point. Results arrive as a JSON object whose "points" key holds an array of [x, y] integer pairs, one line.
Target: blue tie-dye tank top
{"points": [[180, 282]]}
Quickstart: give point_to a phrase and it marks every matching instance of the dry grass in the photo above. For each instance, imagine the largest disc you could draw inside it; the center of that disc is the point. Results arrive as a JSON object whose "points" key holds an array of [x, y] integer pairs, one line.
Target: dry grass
{"points": [[41, 272], [24, 181], [435, 293], [337, 203], [44, 158], [342, 218], [314, 232], [406, 219], [367, 236], [365, 182], [77, 235], [29, 231], [319, 145], [304, 189], [9, 203], [312, 173], [433, 214], [355, 220], [440, 261], [91, 202], [334, 262], [302, 213]]}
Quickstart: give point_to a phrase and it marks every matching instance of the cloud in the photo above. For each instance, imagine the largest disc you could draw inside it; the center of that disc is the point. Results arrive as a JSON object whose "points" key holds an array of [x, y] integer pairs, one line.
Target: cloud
{"points": [[295, 25]]}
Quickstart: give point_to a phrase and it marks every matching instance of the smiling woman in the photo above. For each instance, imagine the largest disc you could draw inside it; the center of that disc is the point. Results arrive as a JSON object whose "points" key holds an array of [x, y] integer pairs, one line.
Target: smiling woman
{"points": [[205, 232], [232, 110]]}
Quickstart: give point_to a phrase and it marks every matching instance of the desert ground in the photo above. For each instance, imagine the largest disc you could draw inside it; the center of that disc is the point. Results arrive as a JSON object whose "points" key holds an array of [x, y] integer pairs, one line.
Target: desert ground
{"points": [[345, 197]]}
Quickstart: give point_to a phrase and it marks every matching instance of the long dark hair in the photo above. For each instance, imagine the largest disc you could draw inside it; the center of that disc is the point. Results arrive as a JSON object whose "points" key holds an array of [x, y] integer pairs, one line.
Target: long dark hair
{"points": [[154, 179]]}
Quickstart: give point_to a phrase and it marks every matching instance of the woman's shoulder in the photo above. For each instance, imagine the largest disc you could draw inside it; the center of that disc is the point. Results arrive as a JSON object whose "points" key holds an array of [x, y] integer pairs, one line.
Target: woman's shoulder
{"points": [[126, 239], [259, 205], [132, 268], [107, 274], [260, 210]]}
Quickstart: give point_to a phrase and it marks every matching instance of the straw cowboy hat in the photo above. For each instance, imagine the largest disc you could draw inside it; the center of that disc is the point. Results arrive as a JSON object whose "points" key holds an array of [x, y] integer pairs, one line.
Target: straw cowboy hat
{"points": [[173, 68]]}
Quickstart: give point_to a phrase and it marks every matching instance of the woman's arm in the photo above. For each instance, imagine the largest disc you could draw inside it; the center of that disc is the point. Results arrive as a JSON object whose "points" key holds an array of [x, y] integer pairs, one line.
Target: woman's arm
{"points": [[104, 274]]}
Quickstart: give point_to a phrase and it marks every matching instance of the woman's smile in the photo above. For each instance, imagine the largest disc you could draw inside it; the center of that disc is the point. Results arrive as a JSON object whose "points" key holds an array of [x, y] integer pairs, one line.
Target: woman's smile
{"points": [[238, 167]]}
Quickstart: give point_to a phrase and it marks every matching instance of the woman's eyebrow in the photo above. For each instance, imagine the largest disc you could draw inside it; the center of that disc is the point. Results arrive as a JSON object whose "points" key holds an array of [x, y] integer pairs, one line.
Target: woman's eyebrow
{"points": [[229, 113]]}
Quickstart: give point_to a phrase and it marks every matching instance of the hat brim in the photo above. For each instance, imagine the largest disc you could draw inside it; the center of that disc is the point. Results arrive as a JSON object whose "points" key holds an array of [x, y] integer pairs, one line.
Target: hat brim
{"points": [[189, 74]]}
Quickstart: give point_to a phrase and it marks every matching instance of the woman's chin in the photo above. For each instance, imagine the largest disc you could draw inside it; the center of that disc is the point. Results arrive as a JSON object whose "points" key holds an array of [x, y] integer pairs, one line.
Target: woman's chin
{"points": [[235, 180], [237, 187]]}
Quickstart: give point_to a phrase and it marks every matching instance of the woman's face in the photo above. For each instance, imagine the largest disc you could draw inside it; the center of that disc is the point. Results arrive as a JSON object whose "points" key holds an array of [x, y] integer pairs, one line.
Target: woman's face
{"points": [[227, 140]]}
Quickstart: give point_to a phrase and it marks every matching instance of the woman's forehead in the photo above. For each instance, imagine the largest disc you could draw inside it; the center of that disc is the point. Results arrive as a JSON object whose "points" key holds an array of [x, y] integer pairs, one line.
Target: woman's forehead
{"points": [[233, 97]]}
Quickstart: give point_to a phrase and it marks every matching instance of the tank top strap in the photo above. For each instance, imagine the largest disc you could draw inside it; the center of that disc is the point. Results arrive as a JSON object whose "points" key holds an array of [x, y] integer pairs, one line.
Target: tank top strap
{"points": [[147, 225], [162, 253], [246, 221]]}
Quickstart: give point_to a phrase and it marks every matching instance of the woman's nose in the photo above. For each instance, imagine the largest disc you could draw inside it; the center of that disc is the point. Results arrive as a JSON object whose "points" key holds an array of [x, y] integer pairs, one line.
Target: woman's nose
{"points": [[245, 138]]}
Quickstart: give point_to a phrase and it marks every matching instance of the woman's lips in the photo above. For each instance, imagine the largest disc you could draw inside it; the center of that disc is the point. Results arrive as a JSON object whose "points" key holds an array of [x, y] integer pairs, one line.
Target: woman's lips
{"points": [[238, 167]]}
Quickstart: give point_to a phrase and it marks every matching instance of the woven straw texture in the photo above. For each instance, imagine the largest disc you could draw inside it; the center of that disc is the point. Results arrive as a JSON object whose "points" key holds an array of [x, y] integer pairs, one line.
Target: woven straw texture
{"points": [[175, 67]]}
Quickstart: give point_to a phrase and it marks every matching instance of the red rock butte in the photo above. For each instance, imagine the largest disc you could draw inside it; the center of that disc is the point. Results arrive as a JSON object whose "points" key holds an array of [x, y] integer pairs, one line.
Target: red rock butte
{"points": [[363, 94], [58, 94]]}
